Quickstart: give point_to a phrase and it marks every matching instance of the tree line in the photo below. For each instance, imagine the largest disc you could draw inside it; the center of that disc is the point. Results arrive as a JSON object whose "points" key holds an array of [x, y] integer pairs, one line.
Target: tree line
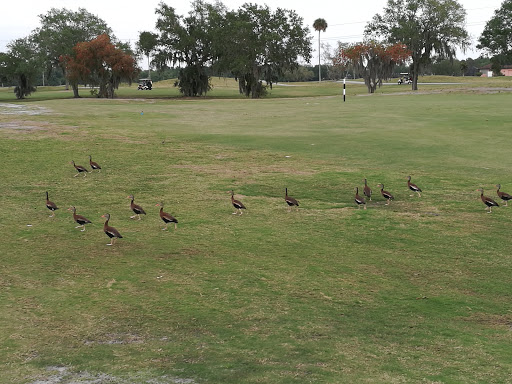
{"points": [[253, 44]]}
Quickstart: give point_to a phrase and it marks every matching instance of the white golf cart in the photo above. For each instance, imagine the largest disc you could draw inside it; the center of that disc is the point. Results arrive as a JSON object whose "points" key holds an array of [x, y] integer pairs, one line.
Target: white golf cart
{"points": [[145, 85], [405, 78]]}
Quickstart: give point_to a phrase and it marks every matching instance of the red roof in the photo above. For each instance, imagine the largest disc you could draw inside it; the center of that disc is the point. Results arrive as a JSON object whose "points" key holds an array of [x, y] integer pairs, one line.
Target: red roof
{"points": [[488, 66]]}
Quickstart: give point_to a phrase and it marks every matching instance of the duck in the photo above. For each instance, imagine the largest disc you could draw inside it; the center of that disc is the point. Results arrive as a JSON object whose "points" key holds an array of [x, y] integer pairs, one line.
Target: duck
{"points": [[290, 201], [81, 220], [110, 231], [503, 196], [413, 187], [487, 200], [79, 169], [94, 165], [359, 200], [385, 194], [135, 208], [367, 191], [51, 205], [166, 217], [237, 204]]}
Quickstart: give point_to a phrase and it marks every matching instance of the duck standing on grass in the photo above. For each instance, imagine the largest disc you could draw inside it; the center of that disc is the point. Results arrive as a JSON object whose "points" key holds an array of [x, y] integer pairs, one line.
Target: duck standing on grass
{"points": [[237, 204], [166, 217], [413, 187], [503, 195], [137, 209], [290, 200], [79, 219], [385, 194], [51, 205], [110, 231], [94, 165], [79, 169], [359, 200], [367, 191], [487, 200]]}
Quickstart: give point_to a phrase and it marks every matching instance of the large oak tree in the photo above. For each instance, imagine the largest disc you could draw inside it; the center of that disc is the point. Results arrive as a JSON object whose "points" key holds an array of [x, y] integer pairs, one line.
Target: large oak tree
{"points": [[496, 39], [256, 45], [62, 29], [426, 27], [188, 42], [372, 60], [21, 65], [99, 62]]}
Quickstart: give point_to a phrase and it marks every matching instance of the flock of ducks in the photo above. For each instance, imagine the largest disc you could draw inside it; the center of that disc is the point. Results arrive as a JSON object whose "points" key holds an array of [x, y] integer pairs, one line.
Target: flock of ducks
{"points": [[167, 218], [110, 231]]}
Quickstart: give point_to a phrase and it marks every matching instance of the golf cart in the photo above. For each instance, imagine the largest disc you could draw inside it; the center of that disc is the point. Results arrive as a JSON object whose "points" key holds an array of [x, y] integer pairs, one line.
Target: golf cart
{"points": [[405, 78], [145, 85]]}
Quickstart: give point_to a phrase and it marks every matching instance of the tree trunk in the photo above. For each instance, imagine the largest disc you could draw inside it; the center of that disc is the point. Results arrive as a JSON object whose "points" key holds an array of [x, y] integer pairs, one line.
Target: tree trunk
{"points": [[75, 91], [149, 69], [415, 74], [319, 66]]}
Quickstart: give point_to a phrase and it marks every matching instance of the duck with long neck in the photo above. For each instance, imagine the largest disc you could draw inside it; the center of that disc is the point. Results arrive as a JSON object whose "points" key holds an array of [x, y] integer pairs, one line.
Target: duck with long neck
{"points": [[487, 200], [359, 200], [385, 194], [51, 205], [79, 169], [137, 209], [290, 200], [166, 217], [503, 195], [237, 204], [413, 187], [367, 191], [94, 165], [79, 219], [110, 231]]}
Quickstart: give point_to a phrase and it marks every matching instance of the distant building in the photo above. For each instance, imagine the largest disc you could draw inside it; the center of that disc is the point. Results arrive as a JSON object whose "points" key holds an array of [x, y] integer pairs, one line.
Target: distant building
{"points": [[506, 70]]}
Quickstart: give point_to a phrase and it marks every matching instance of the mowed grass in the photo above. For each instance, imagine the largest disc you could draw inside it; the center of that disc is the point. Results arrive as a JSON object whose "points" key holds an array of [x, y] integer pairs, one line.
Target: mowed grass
{"points": [[417, 291]]}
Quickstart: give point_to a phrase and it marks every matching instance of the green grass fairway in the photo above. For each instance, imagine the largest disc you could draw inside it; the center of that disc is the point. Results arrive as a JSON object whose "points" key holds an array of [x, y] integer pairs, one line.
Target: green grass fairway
{"points": [[415, 292]]}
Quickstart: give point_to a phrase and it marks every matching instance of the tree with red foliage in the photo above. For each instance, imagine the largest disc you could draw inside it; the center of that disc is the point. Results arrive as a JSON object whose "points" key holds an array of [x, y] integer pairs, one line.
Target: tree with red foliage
{"points": [[100, 63], [373, 60]]}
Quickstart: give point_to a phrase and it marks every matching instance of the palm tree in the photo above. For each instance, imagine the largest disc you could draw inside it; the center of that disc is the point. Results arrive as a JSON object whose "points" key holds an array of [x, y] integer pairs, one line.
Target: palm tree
{"points": [[319, 25]]}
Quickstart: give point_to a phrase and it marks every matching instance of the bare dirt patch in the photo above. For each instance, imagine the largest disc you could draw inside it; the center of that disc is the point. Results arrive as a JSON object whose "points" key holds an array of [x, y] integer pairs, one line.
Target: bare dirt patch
{"points": [[19, 126], [491, 320], [22, 109], [66, 375]]}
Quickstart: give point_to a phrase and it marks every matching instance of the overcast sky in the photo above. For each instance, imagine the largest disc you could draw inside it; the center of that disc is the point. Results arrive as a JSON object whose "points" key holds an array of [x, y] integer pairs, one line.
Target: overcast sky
{"points": [[346, 19]]}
